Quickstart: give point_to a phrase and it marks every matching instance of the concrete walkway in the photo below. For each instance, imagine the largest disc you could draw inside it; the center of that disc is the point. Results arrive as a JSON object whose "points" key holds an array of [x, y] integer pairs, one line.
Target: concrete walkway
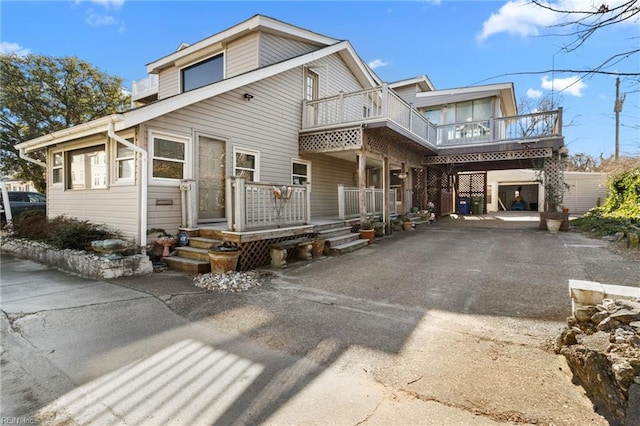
{"points": [[450, 324]]}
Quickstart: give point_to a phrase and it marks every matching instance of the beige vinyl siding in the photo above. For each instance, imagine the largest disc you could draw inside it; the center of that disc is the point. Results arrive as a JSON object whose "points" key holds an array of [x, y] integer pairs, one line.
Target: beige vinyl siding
{"points": [[274, 48], [167, 217], [408, 93], [269, 123], [168, 83], [326, 174], [241, 55]]}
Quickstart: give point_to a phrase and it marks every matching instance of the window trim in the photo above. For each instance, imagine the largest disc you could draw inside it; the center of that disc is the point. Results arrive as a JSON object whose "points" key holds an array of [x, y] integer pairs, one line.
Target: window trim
{"points": [[315, 78], [60, 167], [306, 163], [186, 170], [68, 181], [116, 179], [181, 70], [256, 154]]}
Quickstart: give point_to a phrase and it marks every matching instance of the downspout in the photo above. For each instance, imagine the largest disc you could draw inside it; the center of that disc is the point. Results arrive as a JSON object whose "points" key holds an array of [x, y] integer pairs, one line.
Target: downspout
{"points": [[24, 156], [143, 183]]}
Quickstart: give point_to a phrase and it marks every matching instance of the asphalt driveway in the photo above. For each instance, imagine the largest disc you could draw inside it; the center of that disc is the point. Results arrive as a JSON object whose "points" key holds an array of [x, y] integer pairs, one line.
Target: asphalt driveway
{"points": [[453, 323]]}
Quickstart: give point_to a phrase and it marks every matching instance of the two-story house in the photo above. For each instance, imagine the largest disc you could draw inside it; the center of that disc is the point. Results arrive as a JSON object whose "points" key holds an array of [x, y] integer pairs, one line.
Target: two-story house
{"points": [[224, 124]]}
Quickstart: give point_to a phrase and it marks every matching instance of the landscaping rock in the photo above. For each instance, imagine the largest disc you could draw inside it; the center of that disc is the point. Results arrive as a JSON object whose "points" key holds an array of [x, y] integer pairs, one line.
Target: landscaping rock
{"points": [[606, 358]]}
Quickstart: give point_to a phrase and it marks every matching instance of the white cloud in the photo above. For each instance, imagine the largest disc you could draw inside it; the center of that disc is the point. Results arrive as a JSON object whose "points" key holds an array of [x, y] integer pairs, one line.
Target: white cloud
{"points": [[108, 4], [96, 20], [569, 85], [534, 93], [377, 63], [13, 48], [523, 18], [519, 17]]}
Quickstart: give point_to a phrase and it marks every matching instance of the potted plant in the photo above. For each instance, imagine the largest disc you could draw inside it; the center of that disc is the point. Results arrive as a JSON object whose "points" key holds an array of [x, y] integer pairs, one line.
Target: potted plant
{"points": [[407, 225], [366, 231], [223, 257]]}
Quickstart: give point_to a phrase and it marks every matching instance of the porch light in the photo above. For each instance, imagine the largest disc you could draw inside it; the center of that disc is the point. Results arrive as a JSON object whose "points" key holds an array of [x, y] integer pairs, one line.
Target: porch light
{"points": [[248, 96], [402, 175]]}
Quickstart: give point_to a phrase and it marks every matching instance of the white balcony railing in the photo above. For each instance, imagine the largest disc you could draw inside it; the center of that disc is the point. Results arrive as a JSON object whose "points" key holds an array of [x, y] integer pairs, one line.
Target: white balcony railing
{"points": [[496, 130], [146, 87], [349, 201], [368, 105], [255, 205], [380, 103]]}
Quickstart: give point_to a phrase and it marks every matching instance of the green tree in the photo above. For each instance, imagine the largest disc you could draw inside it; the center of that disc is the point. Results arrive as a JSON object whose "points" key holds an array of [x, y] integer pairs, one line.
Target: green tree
{"points": [[41, 95]]}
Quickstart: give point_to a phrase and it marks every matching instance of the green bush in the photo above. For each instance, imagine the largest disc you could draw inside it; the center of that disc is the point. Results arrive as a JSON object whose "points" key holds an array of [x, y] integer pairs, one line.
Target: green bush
{"points": [[620, 211], [60, 232]]}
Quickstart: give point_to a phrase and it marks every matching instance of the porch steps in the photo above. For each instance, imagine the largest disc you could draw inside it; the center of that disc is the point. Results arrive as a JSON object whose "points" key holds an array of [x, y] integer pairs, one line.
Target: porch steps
{"points": [[346, 247], [335, 231], [194, 258]]}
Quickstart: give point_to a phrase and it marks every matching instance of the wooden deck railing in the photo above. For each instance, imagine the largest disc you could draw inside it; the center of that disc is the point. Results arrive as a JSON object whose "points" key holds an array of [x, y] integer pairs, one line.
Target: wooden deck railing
{"points": [[256, 205], [349, 205]]}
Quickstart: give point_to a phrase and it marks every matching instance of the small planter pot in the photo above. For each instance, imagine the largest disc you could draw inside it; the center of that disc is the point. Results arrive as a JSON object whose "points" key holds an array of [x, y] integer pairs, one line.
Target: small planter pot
{"points": [[553, 225], [407, 226], [223, 259], [166, 242], [367, 234], [317, 248]]}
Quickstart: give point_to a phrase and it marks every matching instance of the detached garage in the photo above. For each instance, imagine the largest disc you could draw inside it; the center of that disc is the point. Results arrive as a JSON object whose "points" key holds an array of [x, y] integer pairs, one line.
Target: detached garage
{"points": [[519, 190]]}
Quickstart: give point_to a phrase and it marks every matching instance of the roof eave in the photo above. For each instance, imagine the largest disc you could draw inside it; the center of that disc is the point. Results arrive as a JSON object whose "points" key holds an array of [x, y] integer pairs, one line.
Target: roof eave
{"points": [[81, 130]]}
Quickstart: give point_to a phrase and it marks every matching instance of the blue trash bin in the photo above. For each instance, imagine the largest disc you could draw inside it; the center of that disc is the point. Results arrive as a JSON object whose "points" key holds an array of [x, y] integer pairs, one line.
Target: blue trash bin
{"points": [[464, 205]]}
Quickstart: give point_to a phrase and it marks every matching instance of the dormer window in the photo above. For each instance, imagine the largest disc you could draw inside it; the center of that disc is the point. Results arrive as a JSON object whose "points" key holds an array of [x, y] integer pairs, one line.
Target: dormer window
{"points": [[203, 73]]}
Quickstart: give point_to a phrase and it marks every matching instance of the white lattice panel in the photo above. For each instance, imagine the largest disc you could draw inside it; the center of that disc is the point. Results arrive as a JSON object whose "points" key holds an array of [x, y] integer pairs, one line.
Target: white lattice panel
{"points": [[337, 140], [489, 156]]}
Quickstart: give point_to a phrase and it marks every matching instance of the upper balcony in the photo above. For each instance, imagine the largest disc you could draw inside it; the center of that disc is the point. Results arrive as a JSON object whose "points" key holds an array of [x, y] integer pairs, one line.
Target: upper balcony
{"points": [[145, 90], [381, 107], [376, 107]]}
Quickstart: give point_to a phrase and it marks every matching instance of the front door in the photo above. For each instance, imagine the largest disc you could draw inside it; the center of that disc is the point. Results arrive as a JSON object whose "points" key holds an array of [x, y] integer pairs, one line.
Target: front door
{"points": [[211, 175]]}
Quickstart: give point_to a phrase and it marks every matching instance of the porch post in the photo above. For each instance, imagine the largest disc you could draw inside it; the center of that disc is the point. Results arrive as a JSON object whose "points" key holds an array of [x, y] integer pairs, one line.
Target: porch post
{"points": [[386, 192], [341, 202], [308, 194], [362, 197], [239, 204]]}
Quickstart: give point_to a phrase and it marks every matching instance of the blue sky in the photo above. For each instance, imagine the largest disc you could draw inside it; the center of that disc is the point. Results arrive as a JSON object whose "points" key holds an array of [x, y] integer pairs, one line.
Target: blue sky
{"points": [[455, 43]]}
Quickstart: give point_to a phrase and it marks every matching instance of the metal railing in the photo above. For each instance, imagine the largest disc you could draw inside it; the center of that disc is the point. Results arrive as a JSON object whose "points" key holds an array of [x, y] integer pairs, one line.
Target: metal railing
{"points": [[262, 205], [349, 201], [367, 105]]}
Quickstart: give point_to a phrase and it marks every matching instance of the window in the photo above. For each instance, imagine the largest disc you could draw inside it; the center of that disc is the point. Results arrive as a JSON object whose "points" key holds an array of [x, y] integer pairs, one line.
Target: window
{"points": [[203, 73], [310, 85], [434, 116], [477, 110], [87, 168], [300, 172], [125, 163], [56, 169], [245, 164], [169, 157]]}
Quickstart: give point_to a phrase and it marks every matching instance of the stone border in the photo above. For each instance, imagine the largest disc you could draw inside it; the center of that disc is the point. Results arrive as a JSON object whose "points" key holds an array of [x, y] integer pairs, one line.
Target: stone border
{"points": [[79, 262]]}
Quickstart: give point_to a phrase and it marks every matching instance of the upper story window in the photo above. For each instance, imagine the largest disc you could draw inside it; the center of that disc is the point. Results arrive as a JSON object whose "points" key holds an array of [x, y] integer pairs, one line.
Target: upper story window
{"points": [[476, 110], [310, 85], [203, 73]]}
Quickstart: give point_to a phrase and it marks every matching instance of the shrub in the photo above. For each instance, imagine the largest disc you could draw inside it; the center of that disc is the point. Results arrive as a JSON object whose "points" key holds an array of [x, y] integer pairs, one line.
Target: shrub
{"points": [[68, 233], [31, 225], [60, 232]]}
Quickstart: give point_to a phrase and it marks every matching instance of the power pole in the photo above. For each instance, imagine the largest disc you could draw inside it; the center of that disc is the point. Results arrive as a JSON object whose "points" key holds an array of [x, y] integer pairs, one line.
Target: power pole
{"points": [[617, 108]]}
